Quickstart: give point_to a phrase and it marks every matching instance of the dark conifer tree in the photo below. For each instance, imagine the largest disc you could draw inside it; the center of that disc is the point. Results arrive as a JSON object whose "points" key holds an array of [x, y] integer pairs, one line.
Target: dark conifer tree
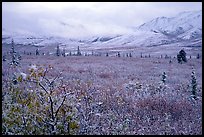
{"points": [[193, 84], [179, 58], [14, 58], [183, 55], [198, 56], [37, 52], [58, 51], [78, 52], [64, 53], [118, 54], [130, 55]]}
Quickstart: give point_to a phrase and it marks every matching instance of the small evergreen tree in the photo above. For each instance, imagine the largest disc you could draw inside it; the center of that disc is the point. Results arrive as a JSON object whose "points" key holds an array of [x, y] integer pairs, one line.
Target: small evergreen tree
{"points": [[193, 84], [63, 53], [37, 52], [164, 77], [198, 56], [130, 55], [118, 54], [183, 55], [107, 54], [58, 51], [78, 52], [14, 60], [179, 58]]}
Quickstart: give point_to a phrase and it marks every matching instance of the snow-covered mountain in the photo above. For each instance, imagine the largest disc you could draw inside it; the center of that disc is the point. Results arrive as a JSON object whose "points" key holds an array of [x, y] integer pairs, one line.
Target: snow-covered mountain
{"points": [[185, 27]]}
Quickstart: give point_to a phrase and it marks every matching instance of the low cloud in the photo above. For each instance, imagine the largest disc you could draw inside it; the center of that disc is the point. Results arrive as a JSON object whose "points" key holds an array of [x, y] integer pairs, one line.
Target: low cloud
{"points": [[86, 19]]}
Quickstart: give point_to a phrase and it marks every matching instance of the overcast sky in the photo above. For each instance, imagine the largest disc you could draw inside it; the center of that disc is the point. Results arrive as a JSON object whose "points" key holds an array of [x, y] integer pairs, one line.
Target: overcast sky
{"points": [[85, 18]]}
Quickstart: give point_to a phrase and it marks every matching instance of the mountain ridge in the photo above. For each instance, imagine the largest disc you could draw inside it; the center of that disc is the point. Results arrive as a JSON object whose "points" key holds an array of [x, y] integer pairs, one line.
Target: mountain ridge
{"points": [[186, 26]]}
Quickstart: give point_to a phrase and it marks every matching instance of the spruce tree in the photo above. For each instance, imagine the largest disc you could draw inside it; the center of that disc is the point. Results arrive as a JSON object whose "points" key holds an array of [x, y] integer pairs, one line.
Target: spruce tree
{"points": [[37, 52], [130, 55], [58, 51], [198, 56], [63, 53], [179, 58], [78, 52], [193, 84], [183, 55], [14, 60], [164, 77], [118, 54]]}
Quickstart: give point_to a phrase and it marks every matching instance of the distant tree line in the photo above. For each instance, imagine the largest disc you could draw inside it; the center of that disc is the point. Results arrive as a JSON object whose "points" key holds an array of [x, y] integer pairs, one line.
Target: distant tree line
{"points": [[181, 56]]}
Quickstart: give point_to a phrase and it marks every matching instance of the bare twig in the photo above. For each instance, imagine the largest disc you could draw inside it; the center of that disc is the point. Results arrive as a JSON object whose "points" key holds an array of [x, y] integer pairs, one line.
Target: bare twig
{"points": [[60, 106]]}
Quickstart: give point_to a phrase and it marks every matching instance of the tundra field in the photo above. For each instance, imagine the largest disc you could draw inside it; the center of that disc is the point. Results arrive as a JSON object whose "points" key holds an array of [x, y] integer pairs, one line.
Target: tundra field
{"points": [[98, 95]]}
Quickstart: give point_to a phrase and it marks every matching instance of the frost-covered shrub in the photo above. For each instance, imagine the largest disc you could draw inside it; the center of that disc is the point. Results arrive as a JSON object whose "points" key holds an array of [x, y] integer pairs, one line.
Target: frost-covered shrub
{"points": [[133, 86], [4, 58], [104, 75], [131, 101], [45, 108]]}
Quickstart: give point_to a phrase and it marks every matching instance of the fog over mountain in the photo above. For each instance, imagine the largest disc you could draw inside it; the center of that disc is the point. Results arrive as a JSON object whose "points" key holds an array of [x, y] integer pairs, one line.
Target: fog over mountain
{"points": [[185, 25], [105, 28], [84, 19]]}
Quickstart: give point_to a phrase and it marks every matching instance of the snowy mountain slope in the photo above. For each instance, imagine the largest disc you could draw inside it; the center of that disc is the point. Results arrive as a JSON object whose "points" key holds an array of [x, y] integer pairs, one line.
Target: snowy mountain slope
{"points": [[162, 31], [186, 26]]}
